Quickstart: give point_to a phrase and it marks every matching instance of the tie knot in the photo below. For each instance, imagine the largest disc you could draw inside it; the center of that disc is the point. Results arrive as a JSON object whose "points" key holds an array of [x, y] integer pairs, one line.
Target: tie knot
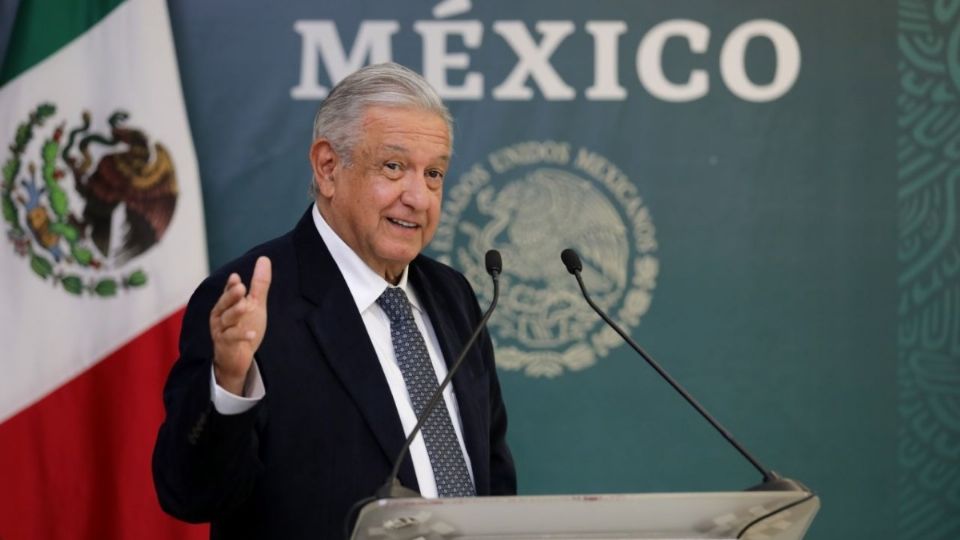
{"points": [[394, 303]]}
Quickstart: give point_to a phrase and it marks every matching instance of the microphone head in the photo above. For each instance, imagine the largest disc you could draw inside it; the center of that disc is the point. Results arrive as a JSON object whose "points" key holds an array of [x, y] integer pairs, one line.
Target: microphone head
{"points": [[494, 262], [571, 260]]}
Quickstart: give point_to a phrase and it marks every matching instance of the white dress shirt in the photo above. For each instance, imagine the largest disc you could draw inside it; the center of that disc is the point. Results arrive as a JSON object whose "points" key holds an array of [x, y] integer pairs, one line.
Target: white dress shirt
{"points": [[366, 286]]}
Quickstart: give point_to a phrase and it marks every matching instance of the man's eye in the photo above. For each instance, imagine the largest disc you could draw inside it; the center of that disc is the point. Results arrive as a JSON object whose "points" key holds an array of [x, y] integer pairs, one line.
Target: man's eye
{"points": [[435, 174], [392, 169]]}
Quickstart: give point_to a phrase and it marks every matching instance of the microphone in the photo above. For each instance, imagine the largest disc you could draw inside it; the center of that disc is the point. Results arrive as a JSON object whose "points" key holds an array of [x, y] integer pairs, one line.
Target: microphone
{"points": [[494, 265], [771, 480], [392, 487]]}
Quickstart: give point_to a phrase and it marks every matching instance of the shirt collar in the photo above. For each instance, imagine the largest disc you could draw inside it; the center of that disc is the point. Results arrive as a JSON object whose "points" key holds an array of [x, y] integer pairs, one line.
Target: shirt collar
{"points": [[365, 285]]}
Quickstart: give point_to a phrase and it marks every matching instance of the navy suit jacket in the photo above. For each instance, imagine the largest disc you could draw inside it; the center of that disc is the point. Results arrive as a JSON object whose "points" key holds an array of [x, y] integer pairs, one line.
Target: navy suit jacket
{"points": [[327, 431]]}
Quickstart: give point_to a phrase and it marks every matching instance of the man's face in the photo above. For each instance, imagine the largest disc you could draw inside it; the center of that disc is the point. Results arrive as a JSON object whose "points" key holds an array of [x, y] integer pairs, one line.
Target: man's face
{"points": [[386, 204]]}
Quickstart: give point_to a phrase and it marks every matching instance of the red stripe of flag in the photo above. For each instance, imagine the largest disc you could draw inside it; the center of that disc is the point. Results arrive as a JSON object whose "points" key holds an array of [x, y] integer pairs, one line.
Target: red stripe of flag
{"points": [[76, 464]]}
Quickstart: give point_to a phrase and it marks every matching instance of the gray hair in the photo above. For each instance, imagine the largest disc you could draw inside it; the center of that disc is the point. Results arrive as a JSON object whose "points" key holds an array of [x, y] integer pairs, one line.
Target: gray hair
{"points": [[387, 85]]}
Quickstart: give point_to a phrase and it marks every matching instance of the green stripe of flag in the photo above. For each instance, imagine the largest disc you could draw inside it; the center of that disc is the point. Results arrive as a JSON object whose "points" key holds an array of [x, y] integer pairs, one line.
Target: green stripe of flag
{"points": [[44, 26]]}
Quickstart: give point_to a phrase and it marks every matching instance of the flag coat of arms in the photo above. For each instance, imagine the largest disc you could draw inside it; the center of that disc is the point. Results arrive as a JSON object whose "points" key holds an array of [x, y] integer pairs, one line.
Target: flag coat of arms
{"points": [[103, 242]]}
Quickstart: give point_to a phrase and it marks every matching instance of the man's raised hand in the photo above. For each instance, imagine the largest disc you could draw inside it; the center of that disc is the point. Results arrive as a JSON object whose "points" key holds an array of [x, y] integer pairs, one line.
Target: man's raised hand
{"points": [[238, 322]]}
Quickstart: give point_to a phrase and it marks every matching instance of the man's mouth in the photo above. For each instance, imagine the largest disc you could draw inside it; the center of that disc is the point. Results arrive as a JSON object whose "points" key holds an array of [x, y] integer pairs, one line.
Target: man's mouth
{"points": [[402, 223]]}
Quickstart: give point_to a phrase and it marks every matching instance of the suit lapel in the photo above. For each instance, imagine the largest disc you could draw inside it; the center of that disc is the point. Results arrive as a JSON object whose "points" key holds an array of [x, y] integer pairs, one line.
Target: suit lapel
{"points": [[344, 343], [466, 382]]}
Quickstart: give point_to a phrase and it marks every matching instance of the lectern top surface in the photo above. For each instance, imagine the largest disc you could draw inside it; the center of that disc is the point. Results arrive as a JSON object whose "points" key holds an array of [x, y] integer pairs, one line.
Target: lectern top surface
{"points": [[674, 516]]}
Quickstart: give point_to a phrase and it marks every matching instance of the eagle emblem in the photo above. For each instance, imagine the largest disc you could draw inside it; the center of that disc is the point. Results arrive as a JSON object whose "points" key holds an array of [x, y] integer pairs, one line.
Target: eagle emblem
{"points": [[81, 203], [530, 200]]}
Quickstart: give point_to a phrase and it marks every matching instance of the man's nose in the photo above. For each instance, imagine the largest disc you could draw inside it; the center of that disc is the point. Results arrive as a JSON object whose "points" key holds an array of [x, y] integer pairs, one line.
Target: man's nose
{"points": [[416, 194]]}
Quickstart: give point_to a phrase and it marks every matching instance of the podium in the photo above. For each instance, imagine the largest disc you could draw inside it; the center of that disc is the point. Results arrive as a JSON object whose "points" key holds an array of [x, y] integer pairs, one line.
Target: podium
{"points": [[777, 509], [750, 515]]}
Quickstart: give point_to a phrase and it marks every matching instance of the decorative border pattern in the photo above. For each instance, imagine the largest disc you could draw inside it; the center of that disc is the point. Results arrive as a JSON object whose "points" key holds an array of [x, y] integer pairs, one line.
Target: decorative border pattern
{"points": [[928, 253]]}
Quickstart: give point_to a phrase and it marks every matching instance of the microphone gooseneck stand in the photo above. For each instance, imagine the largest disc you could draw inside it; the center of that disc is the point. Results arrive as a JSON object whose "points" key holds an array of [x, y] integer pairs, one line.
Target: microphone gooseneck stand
{"points": [[771, 480]]}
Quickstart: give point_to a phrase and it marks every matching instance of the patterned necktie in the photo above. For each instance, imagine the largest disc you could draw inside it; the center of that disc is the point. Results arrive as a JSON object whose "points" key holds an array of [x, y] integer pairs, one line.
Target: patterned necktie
{"points": [[446, 458]]}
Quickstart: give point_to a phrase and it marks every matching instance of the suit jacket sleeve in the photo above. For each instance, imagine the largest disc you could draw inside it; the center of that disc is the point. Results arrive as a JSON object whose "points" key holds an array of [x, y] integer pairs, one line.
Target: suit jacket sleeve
{"points": [[205, 464]]}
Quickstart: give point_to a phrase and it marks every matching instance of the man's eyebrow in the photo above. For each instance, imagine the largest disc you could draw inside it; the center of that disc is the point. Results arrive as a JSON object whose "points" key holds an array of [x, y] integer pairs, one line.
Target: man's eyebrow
{"points": [[404, 150], [396, 148]]}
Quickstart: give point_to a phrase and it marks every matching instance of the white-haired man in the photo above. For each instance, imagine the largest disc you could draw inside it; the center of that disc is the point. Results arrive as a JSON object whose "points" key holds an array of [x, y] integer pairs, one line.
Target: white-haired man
{"points": [[293, 395]]}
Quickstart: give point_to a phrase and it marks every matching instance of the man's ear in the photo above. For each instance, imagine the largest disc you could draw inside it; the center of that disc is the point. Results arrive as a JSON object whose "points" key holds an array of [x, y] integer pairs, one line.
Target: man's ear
{"points": [[324, 162]]}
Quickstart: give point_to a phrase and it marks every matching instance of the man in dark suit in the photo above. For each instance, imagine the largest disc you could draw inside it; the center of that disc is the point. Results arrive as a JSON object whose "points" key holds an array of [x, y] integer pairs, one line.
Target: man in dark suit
{"points": [[292, 396]]}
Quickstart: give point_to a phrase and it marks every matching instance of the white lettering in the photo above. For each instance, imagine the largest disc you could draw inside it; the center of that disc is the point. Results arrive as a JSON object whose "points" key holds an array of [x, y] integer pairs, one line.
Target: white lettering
{"points": [[734, 72], [325, 61], [533, 60], [320, 38], [437, 61], [650, 60], [606, 85]]}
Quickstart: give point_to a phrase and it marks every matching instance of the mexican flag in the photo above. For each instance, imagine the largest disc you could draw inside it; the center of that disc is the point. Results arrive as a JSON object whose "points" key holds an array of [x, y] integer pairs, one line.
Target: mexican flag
{"points": [[103, 242]]}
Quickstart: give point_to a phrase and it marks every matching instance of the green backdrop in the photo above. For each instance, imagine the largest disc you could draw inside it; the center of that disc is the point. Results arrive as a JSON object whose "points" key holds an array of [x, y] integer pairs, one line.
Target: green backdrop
{"points": [[763, 192]]}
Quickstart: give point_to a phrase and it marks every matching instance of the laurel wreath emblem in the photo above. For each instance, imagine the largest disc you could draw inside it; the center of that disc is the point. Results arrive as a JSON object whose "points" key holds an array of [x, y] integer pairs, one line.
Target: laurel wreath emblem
{"points": [[42, 224]]}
